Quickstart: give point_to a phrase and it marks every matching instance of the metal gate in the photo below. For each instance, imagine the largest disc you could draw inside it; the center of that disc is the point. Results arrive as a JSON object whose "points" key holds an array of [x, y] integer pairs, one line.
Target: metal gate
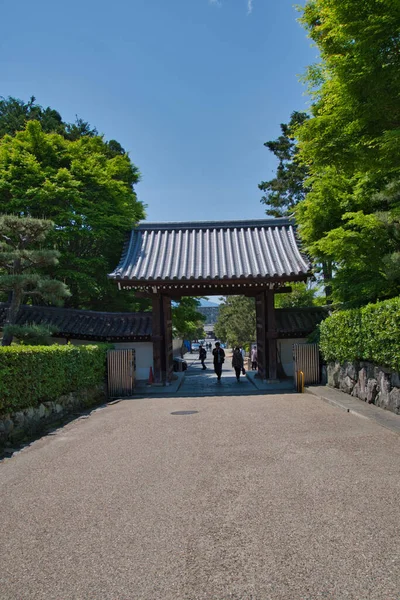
{"points": [[120, 371], [306, 359]]}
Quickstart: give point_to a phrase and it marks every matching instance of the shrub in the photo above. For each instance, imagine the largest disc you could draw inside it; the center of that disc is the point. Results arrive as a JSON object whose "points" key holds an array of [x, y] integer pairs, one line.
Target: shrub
{"points": [[369, 333], [33, 374]]}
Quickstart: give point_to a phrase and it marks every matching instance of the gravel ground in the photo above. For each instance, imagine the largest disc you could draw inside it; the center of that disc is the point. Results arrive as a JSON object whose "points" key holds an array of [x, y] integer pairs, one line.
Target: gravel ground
{"points": [[251, 498]]}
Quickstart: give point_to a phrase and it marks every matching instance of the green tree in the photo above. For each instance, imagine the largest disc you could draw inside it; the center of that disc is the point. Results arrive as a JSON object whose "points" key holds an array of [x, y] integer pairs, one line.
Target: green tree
{"points": [[87, 189], [21, 259], [15, 114], [287, 188], [350, 145], [302, 295], [187, 321], [236, 323]]}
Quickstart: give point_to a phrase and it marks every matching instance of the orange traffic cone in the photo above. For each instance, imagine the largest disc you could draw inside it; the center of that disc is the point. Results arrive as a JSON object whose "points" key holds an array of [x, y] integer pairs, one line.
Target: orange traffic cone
{"points": [[151, 376]]}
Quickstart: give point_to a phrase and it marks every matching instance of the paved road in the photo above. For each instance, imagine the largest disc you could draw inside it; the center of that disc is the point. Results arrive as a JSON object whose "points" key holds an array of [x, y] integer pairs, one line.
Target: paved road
{"points": [[251, 498], [199, 382]]}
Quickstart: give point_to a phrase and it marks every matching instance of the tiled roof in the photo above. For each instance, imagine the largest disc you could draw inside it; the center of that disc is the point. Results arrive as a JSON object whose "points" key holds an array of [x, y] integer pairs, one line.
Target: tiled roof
{"points": [[102, 326], [298, 322], [86, 324], [232, 250]]}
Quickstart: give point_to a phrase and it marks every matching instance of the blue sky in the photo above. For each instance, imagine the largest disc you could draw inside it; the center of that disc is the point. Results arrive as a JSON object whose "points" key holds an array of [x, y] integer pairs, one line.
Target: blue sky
{"points": [[192, 88]]}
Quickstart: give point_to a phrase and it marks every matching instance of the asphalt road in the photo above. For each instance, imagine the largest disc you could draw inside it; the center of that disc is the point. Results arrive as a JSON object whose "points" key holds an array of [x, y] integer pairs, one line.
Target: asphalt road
{"points": [[250, 498]]}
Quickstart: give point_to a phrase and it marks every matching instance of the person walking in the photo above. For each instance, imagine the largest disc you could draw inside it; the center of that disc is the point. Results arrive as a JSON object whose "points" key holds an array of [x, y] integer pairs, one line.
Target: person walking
{"points": [[237, 362], [254, 358], [219, 358], [202, 356]]}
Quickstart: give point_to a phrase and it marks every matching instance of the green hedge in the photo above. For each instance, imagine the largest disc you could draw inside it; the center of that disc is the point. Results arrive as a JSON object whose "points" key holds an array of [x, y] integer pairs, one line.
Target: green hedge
{"points": [[369, 333], [33, 374]]}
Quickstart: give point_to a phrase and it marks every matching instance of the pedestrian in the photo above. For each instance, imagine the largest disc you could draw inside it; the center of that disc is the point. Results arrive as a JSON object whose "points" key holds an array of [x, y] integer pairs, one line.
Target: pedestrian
{"points": [[202, 356], [254, 358], [242, 352], [237, 362], [219, 358]]}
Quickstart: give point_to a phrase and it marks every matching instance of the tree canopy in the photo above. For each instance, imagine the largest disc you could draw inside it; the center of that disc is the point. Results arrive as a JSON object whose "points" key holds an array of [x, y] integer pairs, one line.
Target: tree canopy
{"points": [[87, 189], [287, 188], [187, 321], [236, 322], [22, 258], [350, 146]]}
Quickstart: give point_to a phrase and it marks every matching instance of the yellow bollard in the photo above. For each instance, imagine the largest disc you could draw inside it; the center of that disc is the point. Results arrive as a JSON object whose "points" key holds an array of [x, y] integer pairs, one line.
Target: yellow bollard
{"points": [[300, 382]]}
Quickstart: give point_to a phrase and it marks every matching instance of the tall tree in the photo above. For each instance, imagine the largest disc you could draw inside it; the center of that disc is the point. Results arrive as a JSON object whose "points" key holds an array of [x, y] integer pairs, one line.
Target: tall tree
{"points": [[287, 188], [21, 259], [350, 144], [187, 321], [87, 189], [236, 323], [15, 114]]}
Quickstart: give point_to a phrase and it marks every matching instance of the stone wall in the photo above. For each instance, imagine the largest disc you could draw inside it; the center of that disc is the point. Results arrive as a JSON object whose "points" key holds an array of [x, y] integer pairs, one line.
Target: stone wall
{"points": [[369, 382], [25, 424]]}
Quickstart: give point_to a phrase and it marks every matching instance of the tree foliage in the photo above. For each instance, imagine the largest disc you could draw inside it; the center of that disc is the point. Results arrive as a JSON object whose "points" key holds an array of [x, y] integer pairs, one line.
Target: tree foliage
{"points": [[350, 145], [187, 321], [87, 189], [302, 295], [21, 259], [236, 322], [287, 188]]}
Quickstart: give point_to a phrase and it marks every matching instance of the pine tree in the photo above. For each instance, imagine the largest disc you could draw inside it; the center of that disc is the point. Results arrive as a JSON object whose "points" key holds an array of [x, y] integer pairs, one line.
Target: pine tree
{"points": [[20, 259]]}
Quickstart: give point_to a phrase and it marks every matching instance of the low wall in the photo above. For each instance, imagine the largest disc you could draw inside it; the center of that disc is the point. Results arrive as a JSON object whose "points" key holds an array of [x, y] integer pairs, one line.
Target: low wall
{"points": [[25, 424], [366, 381]]}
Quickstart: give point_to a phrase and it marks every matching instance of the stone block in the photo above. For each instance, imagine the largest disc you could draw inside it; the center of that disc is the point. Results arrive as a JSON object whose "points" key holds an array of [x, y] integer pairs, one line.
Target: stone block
{"points": [[41, 411], [19, 419], [347, 384], [394, 400], [372, 391], [383, 383], [30, 412], [58, 408], [351, 370], [9, 426], [333, 374], [395, 379], [362, 384]]}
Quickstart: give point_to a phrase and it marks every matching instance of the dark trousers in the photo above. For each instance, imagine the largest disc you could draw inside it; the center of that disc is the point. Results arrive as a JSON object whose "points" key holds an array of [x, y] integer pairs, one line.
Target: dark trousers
{"points": [[254, 365], [237, 371], [202, 362], [218, 369]]}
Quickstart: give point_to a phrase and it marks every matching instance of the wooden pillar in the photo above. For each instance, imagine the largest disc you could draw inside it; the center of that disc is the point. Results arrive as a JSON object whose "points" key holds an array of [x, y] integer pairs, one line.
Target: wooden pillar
{"points": [[261, 335], [272, 335], [157, 337], [168, 349], [162, 338]]}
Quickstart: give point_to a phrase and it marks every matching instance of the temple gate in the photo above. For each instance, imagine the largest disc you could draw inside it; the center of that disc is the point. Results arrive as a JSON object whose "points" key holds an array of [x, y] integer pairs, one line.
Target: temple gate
{"points": [[257, 258]]}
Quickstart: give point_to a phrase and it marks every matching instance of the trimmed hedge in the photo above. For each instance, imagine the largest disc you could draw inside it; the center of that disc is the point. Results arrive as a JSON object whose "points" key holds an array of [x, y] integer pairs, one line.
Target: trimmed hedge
{"points": [[369, 333], [33, 374]]}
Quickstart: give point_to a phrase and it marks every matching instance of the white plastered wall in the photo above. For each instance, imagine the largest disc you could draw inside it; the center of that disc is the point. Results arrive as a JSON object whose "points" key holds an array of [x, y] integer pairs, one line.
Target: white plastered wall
{"points": [[285, 352], [144, 357], [143, 353]]}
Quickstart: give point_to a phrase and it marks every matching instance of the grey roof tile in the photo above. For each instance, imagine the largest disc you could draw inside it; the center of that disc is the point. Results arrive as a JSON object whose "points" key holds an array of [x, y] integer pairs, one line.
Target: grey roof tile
{"points": [[85, 324], [212, 250]]}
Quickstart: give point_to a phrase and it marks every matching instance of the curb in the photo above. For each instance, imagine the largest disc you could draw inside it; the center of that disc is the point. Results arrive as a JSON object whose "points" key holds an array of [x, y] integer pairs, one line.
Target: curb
{"points": [[377, 415]]}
